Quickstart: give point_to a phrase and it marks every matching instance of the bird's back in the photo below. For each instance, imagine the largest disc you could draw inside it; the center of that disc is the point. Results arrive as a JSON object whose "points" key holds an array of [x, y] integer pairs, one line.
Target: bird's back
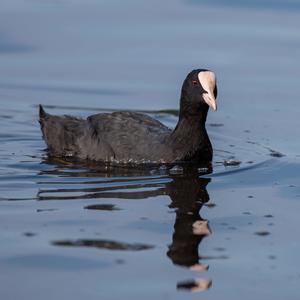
{"points": [[132, 136]]}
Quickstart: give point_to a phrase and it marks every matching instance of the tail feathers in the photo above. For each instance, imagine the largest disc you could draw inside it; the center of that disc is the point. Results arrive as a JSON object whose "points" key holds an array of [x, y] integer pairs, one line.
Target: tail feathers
{"points": [[61, 133], [43, 114]]}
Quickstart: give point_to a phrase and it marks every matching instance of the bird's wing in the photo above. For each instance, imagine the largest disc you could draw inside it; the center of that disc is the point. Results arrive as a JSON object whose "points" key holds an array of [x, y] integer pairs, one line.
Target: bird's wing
{"points": [[129, 134]]}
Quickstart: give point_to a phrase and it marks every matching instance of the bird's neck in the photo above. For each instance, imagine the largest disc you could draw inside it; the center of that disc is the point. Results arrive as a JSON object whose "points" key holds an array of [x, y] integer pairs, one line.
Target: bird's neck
{"points": [[189, 129], [191, 139]]}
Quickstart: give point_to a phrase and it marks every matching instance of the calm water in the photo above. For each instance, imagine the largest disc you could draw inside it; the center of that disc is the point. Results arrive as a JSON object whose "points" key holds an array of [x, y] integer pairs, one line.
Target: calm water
{"points": [[72, 232]]}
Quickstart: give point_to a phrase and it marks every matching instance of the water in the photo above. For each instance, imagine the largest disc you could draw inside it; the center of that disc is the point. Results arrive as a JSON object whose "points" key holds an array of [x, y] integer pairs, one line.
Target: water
{"points": [[100, 232]]}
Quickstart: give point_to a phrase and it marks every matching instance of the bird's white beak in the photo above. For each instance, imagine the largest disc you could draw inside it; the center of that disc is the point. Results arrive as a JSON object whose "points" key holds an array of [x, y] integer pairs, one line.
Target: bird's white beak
{"points": [[210, 100], [208, 81]]}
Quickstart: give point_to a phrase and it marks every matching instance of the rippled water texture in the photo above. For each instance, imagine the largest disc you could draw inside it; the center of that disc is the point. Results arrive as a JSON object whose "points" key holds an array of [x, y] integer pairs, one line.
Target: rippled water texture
{"points": [[106, 232]]}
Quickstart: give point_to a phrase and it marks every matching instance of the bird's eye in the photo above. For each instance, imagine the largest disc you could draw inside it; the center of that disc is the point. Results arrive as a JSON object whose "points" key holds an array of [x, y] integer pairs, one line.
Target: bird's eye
{"points": [[194, 82]]}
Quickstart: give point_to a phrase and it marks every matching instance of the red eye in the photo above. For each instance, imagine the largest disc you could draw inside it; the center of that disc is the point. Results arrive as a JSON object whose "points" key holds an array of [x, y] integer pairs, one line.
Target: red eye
{"points": [[194, 82]]}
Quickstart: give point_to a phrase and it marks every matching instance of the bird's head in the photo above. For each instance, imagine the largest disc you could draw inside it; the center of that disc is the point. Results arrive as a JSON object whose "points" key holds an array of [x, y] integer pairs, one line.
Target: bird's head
{"points": [[199, 92]]}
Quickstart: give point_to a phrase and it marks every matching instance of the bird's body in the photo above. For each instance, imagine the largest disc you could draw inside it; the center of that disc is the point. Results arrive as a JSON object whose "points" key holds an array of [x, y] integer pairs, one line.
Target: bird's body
{"points": [[131, 137]]}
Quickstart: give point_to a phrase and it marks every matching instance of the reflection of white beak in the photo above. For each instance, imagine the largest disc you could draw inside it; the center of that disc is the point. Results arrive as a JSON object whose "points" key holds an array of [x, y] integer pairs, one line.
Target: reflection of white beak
{"points": [[200, 227], [201, 284], [199, 267], [208, 81]]}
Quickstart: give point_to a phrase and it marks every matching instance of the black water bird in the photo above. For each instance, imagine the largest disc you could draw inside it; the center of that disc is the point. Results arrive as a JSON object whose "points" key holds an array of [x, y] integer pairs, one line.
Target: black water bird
{"points": [[130, 137]]}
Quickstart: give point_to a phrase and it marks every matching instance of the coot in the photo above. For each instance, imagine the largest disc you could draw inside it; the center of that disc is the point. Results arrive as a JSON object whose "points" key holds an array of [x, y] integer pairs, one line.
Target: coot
{"points": [[126, 137]]}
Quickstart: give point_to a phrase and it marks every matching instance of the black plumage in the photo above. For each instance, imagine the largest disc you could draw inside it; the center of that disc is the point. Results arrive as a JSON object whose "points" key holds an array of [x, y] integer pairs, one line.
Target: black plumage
{"points": [[134, 137]]}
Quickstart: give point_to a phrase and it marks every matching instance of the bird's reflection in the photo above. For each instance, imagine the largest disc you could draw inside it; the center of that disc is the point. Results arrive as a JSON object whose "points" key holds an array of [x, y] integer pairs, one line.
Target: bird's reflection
{"points": [[186, 190], [188, 194]]}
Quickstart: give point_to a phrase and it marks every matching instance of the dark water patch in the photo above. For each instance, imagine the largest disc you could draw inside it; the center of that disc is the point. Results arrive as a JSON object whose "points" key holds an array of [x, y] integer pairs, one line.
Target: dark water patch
{"points": [[86, 178], [46, 209], [275, 153], [210, 205], [262, 233], [109, 207], [103, 244], [194, 285], [17, 199], [268, 216], [6, 117], [8, 46], [215, 124], [29, 234], [7, 136], [110, 186], [130, 192]]}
